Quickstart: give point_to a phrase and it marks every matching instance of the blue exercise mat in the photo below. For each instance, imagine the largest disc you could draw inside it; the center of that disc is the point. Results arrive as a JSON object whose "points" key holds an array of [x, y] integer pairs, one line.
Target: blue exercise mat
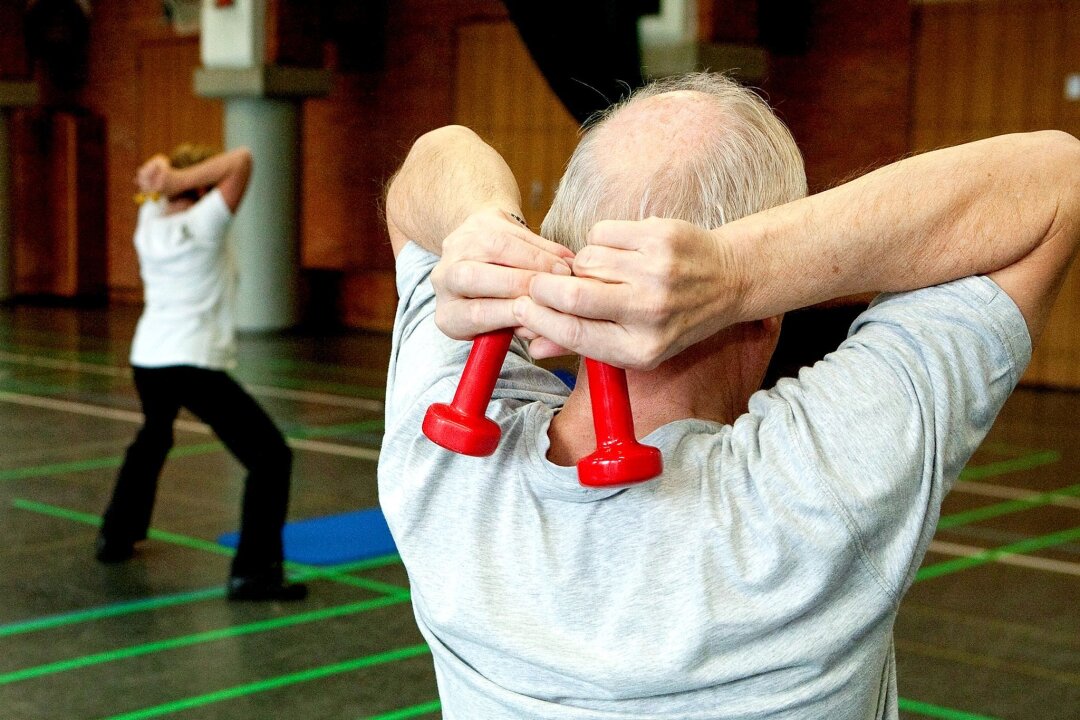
{"points": [[333, 539]]}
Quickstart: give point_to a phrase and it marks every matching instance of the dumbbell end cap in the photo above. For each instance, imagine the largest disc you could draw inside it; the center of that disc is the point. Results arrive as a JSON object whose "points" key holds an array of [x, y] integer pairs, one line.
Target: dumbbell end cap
{"points": [[448, 427], [620, 463]]}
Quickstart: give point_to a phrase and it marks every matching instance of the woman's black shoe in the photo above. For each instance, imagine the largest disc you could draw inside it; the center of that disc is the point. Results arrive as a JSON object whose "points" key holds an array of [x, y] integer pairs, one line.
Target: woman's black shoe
{"points": [[262, 587], [112, 551]]}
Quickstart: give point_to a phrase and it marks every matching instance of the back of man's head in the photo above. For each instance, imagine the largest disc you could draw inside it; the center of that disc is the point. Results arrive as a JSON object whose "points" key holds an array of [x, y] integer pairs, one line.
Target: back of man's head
{"points": [[697, 147]]}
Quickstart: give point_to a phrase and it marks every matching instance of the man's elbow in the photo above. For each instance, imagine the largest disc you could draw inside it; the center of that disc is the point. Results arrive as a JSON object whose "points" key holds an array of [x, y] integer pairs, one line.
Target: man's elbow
{"points": [[1060, 152], [440, 137]]}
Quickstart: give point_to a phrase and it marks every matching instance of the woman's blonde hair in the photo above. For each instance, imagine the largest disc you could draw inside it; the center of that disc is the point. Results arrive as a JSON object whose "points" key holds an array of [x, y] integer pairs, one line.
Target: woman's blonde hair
{"points": [[188, 154], [184, 156]]}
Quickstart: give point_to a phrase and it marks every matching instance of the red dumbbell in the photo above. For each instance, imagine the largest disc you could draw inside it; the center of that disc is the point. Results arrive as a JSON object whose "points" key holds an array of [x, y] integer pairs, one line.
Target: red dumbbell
{"points": [[461, 425], [619, 458]]}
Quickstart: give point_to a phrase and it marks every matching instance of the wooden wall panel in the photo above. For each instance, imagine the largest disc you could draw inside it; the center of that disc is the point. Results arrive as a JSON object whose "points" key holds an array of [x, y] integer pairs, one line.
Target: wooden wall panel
{"points": [[114, 91], [163, 113], [170, 112], [999, 66], [355, 139], [847, 99], [14, 62], [59, 243], [502, 95]]}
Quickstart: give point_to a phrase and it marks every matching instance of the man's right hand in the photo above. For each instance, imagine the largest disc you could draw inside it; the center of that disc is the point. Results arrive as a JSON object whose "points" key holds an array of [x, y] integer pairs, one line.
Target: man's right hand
{"points": [[642, 292], [487, 262]]}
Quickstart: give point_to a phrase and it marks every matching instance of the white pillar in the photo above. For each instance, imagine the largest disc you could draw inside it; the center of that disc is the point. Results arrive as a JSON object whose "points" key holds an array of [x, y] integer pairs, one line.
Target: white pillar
{"points": [[7, 234], [266, 229], [262, 111]]}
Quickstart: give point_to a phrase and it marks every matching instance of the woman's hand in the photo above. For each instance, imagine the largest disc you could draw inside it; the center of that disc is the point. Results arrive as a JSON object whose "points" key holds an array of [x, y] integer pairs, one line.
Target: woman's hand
{"points": [[152, 176]]}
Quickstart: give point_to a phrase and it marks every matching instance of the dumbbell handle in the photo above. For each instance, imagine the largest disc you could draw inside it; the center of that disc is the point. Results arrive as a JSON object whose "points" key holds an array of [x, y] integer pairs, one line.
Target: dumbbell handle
{"points": [[461, 426], [619, 459], [610, 399], [482, 371]]}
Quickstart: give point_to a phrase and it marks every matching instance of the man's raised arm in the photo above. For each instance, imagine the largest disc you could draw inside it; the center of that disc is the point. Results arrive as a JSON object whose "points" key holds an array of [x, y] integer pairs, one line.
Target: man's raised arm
{"points": [[1008, 207], [455, 196]]}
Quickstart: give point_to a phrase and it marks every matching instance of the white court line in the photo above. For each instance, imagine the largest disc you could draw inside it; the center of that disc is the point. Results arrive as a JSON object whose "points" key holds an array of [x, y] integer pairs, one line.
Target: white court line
{"points": [[1027, 561], [1011, 493], [264, 390], [189, 425]]}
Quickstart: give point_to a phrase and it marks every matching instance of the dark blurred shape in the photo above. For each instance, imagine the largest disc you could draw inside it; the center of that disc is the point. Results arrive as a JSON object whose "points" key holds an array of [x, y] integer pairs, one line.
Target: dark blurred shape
{"points": [[588, 50], [784, 25], [807, 336], [58, 37], [358, 31]]}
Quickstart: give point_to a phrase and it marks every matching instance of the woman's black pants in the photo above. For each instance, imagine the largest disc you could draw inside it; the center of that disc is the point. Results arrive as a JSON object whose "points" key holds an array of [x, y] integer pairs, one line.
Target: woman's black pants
{"points": [[245, 429]]}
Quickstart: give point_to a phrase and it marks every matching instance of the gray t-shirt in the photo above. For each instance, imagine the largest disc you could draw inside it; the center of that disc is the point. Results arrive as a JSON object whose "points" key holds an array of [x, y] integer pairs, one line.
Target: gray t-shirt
{"points": [[758, 577]]}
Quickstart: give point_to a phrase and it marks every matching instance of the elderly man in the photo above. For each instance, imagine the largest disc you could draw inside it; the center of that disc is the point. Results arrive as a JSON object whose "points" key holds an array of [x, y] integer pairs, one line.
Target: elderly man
{"points": [[760, 574]]}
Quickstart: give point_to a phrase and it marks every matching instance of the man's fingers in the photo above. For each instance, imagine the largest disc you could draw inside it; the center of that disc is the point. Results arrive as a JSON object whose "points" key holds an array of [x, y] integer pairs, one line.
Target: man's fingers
{"points": [[621, 234], [612, 265], [522, 250], [471, 279], [548, 246], [584, 297], [501, 242], [542, 348], [593, 338], [465, 319]]}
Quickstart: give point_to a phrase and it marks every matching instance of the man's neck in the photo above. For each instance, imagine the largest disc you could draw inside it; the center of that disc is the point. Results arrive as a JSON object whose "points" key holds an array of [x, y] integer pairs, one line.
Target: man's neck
{"points": [[703, 382]]}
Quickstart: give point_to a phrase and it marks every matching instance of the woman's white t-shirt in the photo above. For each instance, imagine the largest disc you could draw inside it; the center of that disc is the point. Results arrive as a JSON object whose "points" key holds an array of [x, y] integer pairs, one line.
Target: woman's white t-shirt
{"points": [[189, 281]]}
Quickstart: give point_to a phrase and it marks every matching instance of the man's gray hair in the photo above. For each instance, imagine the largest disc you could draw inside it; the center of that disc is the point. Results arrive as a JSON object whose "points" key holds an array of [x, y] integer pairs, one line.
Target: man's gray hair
{"points": [[743, 161]]}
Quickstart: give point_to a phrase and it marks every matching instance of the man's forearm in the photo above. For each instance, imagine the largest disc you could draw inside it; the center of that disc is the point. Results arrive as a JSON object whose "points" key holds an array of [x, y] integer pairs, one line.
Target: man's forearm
{"points": [[449, 174], [971, 209]]}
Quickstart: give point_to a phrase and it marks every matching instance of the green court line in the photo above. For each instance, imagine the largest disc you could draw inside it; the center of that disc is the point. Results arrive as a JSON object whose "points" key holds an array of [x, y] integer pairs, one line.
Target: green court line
{"points": [[1018, 548], [1002, 467], [244, 372], [114, 610], [274, 683], [309, 432], [98, 357], [409, 712], [936, 711], [115, 461], [33, 388], [112, 356], [156, 603], [112, 461], [292, 364], [1006, 508], [338, 388], [207, 546], [199, 638]]}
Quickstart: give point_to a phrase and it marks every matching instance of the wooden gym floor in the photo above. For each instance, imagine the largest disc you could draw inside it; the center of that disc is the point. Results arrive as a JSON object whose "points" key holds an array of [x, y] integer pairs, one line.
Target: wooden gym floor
{"points": [[991, 629]]}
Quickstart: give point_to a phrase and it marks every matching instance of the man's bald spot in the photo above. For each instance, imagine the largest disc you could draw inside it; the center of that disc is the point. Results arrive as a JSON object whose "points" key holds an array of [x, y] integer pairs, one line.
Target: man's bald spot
{"points": [[654, 133]]}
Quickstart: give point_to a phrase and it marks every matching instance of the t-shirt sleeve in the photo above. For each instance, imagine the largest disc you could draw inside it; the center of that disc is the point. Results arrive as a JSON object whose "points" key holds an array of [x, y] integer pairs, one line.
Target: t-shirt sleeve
{"points": [[425, 364], [210, 217], [151, 210], [888, 420]]}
